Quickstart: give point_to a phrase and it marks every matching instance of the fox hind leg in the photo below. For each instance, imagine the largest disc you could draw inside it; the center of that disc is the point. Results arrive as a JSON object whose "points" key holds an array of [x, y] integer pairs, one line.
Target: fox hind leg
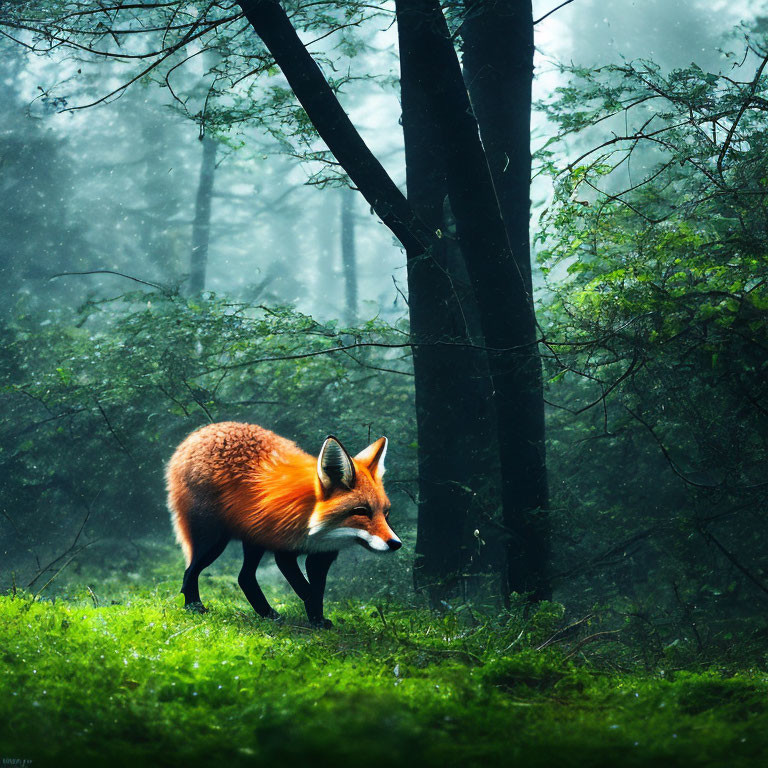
{"points": [[318, 564], [288, 564], [247, 580], [204, 552]]}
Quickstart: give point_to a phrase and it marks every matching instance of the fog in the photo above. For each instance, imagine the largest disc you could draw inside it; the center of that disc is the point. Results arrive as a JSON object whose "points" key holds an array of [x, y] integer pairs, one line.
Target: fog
{"points": [[117, 189]]}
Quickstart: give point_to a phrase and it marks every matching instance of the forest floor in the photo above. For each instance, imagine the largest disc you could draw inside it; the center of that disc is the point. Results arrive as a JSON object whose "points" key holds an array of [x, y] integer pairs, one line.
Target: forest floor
{"points": [[139, 681]]}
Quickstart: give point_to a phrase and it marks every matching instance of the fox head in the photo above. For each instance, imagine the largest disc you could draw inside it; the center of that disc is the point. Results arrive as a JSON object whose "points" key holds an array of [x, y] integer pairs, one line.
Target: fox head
{"points": [[351, 506]]}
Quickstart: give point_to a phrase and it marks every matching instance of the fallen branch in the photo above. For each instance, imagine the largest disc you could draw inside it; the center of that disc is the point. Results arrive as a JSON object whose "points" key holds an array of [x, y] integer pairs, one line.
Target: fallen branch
{"points": [[561, 632], [591, 639], [79, 551]]}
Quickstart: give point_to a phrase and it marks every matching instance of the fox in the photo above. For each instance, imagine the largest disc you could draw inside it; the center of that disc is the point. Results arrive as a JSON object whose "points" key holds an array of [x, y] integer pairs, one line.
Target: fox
{"points": [[240, 481]]}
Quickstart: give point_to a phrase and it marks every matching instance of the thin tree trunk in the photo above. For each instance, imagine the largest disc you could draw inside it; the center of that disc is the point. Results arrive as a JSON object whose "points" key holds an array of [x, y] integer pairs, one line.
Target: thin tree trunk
{"points": [[349, 254], [504, 301], [201, 226], [326, 281]]}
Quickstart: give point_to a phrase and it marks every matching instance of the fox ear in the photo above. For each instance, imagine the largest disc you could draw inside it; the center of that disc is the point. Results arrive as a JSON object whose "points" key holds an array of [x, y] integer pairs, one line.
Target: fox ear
{"points": [[373, 457], [334, 465]]}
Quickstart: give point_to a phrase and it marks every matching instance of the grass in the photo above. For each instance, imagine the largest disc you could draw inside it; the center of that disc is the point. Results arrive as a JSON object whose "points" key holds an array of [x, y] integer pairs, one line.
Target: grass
{"points": [[142, 682]]}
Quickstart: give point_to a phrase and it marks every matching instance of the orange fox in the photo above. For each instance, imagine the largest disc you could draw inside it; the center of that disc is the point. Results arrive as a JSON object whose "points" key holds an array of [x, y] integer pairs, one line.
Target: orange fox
{"points": [[240, 481]]}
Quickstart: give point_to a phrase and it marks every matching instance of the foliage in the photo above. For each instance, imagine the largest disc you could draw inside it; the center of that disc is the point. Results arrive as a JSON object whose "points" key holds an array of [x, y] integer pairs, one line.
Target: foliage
{"points": [[141, 680], [95, 402], [163, 43], [657, 310]]}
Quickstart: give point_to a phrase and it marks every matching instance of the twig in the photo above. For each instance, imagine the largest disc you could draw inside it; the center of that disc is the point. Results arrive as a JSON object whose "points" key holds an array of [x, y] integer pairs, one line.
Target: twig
{"points": [[591, 639], [67, 551], [514, 642], [111, 272], [93, 596], [399, 290], [560, 632], [85, 546], [114, 434], [181, 632], [709, 536], [381, 616], [734, 125], [549, 13]]}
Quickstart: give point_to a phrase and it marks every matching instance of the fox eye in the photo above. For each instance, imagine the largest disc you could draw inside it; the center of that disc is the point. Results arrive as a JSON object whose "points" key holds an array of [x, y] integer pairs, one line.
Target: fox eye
{"points": [[364, 511]]}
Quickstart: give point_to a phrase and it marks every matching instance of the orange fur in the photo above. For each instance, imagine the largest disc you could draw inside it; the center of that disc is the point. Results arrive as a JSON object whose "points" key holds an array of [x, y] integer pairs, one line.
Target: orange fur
{"points": [[263, 488]]}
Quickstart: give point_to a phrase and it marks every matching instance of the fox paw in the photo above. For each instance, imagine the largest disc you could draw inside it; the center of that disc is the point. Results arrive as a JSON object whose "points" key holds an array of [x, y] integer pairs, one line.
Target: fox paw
{"points": [[273, 615], [197, 607], [321, 623]]}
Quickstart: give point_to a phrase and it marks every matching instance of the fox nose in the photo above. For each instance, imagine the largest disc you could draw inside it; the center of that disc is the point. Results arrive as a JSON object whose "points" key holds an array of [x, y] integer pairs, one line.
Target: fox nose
{"points": [[394, 544]]}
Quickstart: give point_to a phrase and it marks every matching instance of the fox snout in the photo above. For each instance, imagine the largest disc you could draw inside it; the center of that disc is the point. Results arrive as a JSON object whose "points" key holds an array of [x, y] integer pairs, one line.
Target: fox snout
{"points": [[376, 543], [382, 540], [383, 534]]}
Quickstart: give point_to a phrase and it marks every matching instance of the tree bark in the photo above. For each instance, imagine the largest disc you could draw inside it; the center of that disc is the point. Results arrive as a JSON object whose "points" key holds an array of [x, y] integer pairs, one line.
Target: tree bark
{"points": [[455, 429], [498, 68], [201, 226], [504, 300], [349, 255]]}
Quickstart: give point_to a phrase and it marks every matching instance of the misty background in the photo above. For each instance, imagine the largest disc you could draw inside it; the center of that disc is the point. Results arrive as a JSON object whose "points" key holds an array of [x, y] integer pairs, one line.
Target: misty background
{"points": [[113, 186]]}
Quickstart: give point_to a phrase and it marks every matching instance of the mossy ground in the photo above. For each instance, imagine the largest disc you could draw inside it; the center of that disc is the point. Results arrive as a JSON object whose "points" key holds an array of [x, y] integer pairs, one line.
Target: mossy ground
{"points": [[142, 682]]}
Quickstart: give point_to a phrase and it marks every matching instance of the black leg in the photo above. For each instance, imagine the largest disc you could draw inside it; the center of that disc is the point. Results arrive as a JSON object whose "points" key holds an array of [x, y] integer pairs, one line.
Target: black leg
{"points": [[289, 567], [318, 564], [202, 557], [247, 580]]}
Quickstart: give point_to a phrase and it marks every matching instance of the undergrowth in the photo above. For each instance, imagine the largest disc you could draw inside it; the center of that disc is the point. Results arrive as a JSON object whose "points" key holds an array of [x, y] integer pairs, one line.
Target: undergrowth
{"points": [[140, 681]]}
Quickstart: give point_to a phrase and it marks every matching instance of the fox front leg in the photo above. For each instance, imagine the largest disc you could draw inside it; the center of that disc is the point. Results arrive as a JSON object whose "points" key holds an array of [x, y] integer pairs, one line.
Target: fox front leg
{"points": [[318, 564]]}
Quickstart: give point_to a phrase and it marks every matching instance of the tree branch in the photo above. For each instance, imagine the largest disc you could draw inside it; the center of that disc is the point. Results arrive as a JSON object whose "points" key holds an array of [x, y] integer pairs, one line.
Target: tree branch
{"points": [[549, 13], [315, 95]]}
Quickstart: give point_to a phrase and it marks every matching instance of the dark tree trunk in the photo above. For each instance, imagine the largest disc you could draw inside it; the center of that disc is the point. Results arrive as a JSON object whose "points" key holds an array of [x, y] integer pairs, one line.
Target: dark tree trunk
{"points": [[498, 69], [201, 226], [349, 254], [455, 429], [502, 293]]}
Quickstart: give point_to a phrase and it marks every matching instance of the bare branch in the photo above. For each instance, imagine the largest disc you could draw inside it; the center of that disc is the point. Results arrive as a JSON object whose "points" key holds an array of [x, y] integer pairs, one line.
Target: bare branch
{"points": [[549, 13], [734, 125]]}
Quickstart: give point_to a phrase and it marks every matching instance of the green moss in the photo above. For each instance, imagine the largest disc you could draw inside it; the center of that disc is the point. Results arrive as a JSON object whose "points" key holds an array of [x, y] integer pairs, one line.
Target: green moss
{"points": [[143, 682]]}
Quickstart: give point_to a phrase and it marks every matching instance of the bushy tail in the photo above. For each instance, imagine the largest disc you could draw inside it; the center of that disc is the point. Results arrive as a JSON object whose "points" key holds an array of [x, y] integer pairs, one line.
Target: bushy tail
{"points": [[181, 536], [176, 507]]}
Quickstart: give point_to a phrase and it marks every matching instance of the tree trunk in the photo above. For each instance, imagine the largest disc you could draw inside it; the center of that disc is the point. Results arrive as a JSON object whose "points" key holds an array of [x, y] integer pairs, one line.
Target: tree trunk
{"points": [[498, 69], [455, 430], [201, 226], [503, 296], [348, 254]]}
